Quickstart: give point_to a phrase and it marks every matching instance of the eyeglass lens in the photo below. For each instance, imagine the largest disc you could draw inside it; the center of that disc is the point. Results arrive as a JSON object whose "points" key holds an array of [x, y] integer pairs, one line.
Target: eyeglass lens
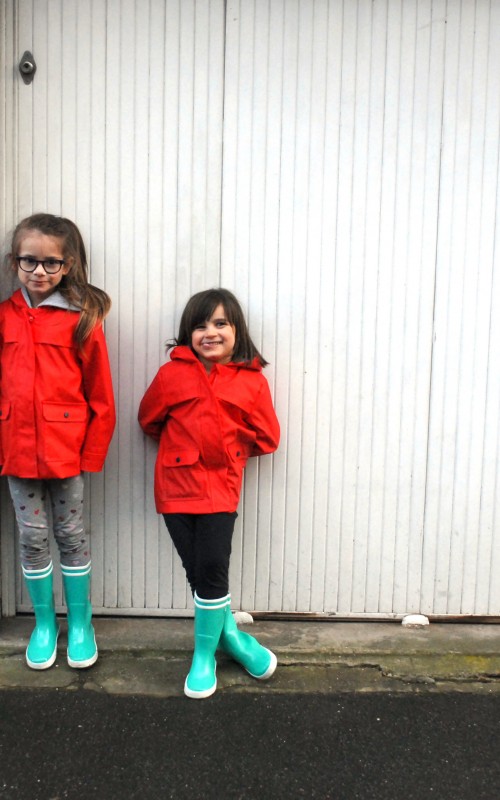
{"points": [[29, 264]]}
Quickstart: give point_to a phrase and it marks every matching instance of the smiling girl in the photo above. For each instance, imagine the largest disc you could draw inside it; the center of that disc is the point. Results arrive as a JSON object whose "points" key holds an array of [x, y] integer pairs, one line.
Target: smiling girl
{"points": [[210, 408]]}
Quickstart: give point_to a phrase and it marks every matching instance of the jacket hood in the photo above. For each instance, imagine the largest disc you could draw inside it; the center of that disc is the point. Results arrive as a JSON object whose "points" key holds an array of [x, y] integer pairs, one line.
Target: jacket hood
{"points": [[184, 353], [55, 300]]}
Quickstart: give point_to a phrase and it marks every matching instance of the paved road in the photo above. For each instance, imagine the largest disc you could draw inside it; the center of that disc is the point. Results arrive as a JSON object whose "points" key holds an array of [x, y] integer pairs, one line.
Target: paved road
{"points": [[82, 744]]}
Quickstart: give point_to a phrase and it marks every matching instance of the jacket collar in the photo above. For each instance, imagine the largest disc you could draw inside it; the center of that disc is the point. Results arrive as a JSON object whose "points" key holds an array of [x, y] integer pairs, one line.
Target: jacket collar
{"points": [[55, 300], [184, 353]]}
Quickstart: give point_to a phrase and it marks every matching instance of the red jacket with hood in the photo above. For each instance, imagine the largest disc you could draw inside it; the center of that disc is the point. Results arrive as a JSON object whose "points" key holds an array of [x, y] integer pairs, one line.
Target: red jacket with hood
{"points": [[57, 412], [207, 424]]}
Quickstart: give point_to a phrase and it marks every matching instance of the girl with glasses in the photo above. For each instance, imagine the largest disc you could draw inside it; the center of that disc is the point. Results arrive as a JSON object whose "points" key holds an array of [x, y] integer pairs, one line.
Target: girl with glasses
{"points": [[57, 417], [210, 409]]}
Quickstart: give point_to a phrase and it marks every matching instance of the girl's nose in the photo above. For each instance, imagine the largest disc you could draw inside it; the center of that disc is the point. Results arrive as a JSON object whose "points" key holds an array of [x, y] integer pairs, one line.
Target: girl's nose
{"points": [[39, 270]]}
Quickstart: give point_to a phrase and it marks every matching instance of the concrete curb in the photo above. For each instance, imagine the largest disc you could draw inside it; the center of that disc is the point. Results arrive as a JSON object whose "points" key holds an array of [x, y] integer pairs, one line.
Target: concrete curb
{"points": [[151, 657]]}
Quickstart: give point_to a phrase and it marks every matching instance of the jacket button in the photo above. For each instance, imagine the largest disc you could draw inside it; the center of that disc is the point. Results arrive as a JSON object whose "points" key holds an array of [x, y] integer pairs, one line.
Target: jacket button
{"points": [[178, 459], [66, 414], [31, 319], [238, 453]]}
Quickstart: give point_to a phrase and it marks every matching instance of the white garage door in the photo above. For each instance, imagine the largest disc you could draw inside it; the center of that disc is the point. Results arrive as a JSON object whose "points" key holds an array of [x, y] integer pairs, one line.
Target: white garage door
{"points": [[336, 165]]}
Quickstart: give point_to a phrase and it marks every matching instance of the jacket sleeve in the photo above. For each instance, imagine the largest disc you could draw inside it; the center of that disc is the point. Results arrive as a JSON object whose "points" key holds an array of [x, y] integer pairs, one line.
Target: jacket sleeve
{"points": [[264, 422], [153, 408], [98, 388]]}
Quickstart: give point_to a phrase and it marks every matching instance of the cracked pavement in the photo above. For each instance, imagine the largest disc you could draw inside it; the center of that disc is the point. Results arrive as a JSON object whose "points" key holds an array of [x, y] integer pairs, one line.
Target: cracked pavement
{"points": [[151, 656]]}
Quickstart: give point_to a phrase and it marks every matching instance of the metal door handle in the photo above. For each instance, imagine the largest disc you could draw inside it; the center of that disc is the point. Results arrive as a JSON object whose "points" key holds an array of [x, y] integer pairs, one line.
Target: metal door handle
{"points": [[27, 67]]}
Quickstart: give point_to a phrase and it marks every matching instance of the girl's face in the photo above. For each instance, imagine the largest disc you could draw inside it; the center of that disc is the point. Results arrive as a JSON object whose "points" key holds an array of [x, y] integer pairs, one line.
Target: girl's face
{"points": [[213, 341], [39, 284]]}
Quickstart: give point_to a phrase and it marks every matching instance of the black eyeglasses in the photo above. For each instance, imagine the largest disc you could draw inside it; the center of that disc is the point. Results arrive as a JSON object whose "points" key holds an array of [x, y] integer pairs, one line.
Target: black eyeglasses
{"points": [[50, 265]]}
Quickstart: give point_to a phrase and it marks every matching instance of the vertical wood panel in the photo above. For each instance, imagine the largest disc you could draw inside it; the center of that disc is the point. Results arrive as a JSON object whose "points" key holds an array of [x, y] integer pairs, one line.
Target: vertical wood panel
{"points": [[8, 130], [8, 153], [416, 249], [461, 534], [485, 583], [328, 22]]}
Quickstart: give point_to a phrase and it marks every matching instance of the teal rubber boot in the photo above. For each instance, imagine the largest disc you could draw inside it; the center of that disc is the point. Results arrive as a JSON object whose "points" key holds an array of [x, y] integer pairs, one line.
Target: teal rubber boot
{"points": [[82, 648], [209, 617], [42, 648], [258, 661]]}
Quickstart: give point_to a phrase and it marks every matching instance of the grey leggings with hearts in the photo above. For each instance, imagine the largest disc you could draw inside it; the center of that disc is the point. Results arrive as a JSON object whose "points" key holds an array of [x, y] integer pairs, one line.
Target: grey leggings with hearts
{"points": [[42, 505]]}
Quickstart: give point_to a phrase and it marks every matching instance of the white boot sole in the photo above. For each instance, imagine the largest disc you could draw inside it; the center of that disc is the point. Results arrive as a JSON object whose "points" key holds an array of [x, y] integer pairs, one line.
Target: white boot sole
{"points": [[199, 695], [43, 664], [83, 664], [269, 671]]}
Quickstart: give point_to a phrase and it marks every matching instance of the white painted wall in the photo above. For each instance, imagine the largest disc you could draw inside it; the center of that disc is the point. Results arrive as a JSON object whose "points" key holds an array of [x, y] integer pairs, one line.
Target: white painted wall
{"points": [[336, 164]]}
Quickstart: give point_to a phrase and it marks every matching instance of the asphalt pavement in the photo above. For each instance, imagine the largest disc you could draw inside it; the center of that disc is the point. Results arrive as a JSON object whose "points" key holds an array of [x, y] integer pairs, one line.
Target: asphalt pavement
{"points": [[237, 746]]}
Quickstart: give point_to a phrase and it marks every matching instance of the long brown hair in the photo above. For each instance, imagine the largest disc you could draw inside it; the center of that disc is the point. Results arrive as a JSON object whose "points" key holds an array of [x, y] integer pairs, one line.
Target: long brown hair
{"points": [[200, 308], [94, 303]]}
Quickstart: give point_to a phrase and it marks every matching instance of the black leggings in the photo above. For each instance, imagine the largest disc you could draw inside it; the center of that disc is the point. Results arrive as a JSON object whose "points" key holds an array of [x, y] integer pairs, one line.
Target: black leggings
{"points": [[203, 542]]}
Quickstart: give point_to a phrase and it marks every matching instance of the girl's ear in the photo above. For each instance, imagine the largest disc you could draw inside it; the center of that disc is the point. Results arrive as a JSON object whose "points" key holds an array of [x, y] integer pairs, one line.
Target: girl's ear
{"points": [[68, 263], [10, 258]]}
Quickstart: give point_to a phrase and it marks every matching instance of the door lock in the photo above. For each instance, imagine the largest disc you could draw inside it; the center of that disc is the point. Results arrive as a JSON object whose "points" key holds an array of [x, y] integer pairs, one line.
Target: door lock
{"points": [[27, 67]]}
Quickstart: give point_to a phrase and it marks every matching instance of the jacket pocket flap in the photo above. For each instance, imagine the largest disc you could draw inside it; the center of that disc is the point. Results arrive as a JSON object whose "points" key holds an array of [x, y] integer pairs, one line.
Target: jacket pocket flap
{"points": [[180, 458], [4, 410], [65, 412], [55, 335]]}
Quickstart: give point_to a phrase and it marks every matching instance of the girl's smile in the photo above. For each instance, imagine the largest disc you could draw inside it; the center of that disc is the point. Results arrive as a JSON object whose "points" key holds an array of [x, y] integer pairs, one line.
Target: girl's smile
{"points": [[39, 284], [213, 341]]}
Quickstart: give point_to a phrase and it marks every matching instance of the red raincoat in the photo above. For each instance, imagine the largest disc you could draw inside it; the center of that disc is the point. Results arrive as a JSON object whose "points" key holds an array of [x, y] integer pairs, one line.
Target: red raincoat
{"points": [[207, 425], [57, 412]]}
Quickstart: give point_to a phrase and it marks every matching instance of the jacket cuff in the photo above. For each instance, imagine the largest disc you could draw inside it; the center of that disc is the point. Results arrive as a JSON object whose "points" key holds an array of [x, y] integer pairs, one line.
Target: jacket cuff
{"points": [[91, 462]]}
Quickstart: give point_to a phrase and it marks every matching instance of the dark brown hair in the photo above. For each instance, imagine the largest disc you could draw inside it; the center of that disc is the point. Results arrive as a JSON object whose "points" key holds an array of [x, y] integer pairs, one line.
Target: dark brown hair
{"points": [[74, 286], [200, 308]]}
